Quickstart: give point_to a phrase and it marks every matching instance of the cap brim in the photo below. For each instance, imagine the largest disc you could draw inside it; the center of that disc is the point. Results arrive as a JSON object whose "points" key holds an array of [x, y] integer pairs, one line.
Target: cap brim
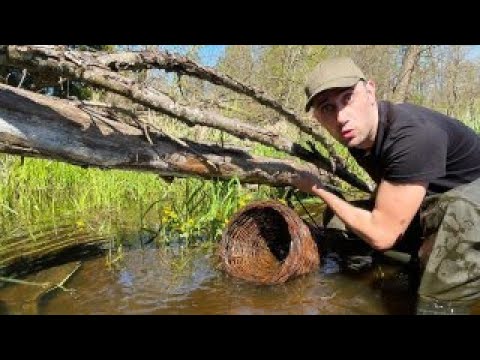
{"points": [[338, 83]]}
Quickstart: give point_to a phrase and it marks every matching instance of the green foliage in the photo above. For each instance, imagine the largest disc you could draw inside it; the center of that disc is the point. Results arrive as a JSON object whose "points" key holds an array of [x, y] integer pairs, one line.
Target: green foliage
{"points": [[195, 211], [238, 62], [43, 194], [40, 192]]}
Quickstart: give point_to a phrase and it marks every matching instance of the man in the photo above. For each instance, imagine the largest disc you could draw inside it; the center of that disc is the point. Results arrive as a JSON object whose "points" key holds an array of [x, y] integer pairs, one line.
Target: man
{"points": [[422, 162]]}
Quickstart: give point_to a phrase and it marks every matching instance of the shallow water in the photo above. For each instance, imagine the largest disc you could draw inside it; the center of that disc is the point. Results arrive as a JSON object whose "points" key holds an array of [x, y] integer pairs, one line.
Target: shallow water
{"points": [[175, 281], [146, 279]]}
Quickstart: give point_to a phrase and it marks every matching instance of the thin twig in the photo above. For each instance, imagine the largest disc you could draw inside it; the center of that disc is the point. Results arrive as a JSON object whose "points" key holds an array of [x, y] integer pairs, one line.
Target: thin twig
{"points": [[61, 284], [24, 74], [23, 282]]}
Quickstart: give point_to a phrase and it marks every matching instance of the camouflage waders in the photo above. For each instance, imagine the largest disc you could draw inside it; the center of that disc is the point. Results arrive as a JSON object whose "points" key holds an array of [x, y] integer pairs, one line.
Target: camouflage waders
{"points": [[450, 255], [451, 227]]}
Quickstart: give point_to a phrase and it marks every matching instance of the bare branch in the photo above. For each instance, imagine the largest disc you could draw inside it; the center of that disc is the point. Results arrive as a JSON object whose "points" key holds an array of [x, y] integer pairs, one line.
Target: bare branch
{"points": [[184, 65], [87, 68]]}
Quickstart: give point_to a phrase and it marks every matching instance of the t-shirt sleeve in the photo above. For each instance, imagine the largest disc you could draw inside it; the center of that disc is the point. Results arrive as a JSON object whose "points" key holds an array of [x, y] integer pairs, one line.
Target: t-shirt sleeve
{"points": [[416, 153]]}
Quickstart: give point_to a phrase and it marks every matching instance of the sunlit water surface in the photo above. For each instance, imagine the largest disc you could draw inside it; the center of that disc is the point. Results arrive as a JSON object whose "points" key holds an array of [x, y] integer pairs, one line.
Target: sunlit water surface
{"points": [[175, 281]]}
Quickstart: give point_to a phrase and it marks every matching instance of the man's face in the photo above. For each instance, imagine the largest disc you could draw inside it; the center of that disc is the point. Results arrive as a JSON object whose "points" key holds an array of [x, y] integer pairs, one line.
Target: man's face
{"points": [[350, 115]]}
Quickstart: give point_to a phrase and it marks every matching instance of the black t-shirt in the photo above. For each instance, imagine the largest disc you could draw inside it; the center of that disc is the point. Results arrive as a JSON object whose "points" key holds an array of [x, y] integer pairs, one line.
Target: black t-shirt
{"points": [[414, 143]]}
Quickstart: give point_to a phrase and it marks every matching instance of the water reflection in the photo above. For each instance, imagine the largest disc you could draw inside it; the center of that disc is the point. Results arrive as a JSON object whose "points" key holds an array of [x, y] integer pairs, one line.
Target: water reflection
{"points": [[173, 281]]}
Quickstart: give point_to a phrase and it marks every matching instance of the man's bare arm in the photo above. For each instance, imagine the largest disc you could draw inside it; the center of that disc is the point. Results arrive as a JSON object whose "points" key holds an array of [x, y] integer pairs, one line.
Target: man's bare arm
{"points": [[395, 206]]}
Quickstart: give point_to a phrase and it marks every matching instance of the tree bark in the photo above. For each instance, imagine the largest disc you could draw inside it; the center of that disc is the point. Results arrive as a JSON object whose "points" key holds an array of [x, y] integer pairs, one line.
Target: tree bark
{"points": [[409, 62], [186, 66], [86, 67], [40, 126]]}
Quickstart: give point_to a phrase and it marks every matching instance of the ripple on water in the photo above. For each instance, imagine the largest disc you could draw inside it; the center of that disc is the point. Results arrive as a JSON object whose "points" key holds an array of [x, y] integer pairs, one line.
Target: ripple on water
{"points": [[154, 281]]}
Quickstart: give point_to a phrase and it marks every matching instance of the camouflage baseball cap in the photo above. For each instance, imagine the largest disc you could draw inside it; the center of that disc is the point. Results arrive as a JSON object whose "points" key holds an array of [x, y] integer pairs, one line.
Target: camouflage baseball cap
{"points": [[331, 73]]}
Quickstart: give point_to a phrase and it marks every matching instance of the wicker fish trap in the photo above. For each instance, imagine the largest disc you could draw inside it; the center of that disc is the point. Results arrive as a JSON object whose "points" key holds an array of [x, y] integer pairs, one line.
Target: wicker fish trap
{"points": [[267, 242]]}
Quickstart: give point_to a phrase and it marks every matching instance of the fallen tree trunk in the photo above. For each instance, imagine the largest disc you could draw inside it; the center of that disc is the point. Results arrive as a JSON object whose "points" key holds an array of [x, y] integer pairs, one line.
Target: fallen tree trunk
{"points": [[41, 126], [86, 67], [185, 66]]}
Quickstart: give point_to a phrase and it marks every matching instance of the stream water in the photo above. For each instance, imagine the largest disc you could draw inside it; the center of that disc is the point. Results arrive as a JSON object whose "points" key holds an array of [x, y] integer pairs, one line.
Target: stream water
{"points": [[178, 281], [147, 279]]}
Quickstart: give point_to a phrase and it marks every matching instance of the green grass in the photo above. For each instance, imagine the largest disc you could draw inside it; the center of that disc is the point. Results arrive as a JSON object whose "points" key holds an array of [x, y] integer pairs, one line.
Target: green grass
{"points": [[40, 191], [42, 194]]}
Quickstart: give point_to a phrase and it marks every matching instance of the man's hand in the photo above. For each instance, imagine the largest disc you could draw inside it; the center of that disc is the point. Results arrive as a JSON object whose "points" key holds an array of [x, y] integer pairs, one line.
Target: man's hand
{"points": [[306, 182]]}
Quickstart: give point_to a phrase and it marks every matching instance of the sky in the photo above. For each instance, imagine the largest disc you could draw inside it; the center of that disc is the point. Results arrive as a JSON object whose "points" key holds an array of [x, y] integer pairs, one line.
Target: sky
{"points": [[475, 52], [210, 54]]}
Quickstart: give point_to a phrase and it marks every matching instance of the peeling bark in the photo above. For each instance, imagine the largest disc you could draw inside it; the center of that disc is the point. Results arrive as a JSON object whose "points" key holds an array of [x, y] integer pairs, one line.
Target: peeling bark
{"points": [[40, 126], [186, 66]]}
